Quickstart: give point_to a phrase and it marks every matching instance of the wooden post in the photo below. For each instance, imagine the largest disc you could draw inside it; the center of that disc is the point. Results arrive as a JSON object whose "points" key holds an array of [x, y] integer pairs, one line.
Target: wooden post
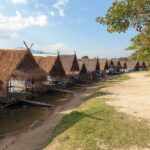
{"points": [[7, 91], [26, 85], [32, 85]]}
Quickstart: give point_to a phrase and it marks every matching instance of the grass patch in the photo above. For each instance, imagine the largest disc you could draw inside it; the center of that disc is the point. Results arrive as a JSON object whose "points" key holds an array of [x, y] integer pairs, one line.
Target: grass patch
{"points": [[98, 127], [118, 79], [97, 94], [122, 77]]}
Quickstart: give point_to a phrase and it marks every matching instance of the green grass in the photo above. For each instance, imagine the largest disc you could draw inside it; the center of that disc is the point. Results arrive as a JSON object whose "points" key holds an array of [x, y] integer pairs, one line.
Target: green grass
{"points": [[98, 126], [117, 79]]}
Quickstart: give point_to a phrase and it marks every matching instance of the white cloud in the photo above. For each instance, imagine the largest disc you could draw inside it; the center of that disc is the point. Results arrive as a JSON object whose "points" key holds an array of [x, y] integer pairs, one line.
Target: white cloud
{"points": [[13, 24], [58, 6], [55, 47], [19, 1], [52, 13], [52, 47], [58, 47]]}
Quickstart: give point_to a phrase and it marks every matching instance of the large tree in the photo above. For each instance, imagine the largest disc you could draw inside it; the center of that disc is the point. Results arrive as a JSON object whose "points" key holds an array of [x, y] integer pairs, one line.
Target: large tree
{"points": [[125, 14]]}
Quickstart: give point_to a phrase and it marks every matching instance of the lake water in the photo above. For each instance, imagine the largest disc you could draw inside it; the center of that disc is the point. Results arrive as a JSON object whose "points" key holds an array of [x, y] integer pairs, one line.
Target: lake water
{"points": [[20, 117]]}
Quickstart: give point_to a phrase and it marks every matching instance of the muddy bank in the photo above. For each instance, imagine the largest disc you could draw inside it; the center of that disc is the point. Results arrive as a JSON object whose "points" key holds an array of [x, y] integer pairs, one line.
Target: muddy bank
{"points": [[36, 135], [18, 117]]}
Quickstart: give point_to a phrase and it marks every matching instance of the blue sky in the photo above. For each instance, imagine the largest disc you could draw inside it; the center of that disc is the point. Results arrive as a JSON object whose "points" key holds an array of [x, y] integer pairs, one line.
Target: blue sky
{"points": [[61, 25]]}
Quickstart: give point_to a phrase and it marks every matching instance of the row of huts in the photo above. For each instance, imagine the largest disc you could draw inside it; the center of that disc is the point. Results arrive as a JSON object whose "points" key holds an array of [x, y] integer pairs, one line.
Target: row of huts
{"points": [[19, 69]]}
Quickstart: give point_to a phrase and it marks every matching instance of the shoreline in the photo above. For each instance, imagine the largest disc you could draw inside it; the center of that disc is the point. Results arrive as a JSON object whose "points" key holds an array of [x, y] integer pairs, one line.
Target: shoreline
{"points": [[37, 137]]}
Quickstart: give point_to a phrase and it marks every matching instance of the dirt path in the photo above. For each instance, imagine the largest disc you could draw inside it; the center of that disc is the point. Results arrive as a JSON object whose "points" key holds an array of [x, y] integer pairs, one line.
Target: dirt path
{"points": [[36, 139], [132, 96]]}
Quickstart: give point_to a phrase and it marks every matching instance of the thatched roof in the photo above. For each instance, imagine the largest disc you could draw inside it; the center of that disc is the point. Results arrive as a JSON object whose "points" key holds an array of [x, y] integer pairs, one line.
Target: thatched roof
{"points": [[116, 63], [103, 64], [132, 64], [111, 64], [142, 64], [82, 67], [19, 65], [92, 65], [70, 64], [51, 65], [123, 64]]}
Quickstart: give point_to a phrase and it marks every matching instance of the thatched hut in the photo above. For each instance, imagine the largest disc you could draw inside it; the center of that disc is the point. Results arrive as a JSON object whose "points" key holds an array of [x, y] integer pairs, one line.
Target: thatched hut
{"points": [[143, 65], [18, 65], [70, 65], [83, 71], [111, 66], [93, 67], [133, 65], [123, 66], [103, 66], [52, 65], [117, 66]]}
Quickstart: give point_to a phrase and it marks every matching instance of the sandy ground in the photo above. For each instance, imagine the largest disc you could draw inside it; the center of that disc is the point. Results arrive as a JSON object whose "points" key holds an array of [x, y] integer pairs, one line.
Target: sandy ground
{"points": [[37, 138], [132, 96]]}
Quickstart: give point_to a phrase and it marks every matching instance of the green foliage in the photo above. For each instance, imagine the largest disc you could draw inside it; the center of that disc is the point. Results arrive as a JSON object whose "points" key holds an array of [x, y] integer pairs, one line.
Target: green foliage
{"points": [[85, 57], [141, 55], [141, 43], [126, 13], [123, 58]]}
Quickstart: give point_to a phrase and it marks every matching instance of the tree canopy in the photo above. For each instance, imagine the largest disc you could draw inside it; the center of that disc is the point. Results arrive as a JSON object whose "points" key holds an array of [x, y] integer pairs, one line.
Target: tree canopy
{"points": [[125, 14]]}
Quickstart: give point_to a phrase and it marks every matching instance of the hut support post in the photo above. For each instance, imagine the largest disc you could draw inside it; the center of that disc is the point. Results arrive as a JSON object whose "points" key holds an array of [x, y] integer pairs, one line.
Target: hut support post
{"points": [[7, 92], [26, 85], [32, 85]]}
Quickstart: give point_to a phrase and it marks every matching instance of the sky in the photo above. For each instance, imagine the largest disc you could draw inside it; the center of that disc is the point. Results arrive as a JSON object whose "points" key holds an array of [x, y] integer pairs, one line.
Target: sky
{"points": [[67, 26]]}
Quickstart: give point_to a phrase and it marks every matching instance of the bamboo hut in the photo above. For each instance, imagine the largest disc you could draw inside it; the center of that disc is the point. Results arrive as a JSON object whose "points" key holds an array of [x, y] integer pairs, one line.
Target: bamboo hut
{"points": [[133, 66], [93, 67], [111, 66], [143, 65], [52, 65], [70, 65], [18, 66], [117, 66], [83, 71], [123, 66], [103, 66]]}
